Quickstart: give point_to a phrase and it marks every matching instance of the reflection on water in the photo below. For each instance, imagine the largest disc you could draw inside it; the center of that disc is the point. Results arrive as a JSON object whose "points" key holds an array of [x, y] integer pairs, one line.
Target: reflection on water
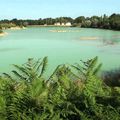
{"points": [[116, 36], [109, 42], [114, 40]]}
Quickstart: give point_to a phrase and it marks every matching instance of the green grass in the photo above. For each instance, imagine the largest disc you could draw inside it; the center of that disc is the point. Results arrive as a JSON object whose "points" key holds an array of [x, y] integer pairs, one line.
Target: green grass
{"points": [[26, 95]]}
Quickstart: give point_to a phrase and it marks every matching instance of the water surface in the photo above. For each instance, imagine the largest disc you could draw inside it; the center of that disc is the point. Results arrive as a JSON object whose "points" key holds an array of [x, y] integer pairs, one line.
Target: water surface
{"points": [[61, 45]]}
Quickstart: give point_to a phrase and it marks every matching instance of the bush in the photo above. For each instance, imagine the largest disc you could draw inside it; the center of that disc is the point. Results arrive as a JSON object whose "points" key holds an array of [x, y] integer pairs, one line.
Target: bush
{"points": [[112, 78], [26, 95]]}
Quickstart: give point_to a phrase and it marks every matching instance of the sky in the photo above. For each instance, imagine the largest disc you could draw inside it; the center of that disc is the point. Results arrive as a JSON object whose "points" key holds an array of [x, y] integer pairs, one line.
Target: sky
{"points": [[35, 9]]}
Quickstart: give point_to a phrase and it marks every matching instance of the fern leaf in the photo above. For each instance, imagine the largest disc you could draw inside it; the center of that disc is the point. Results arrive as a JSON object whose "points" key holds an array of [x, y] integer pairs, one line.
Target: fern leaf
{"points": [[18, 75], [21, 69], [8, 76], [96, 70], [45, 61]]}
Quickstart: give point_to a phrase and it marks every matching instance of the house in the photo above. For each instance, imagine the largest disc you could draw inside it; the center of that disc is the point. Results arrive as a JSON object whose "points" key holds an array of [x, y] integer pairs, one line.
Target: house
{"points": [[57, 24], [68, 24], [62, 24]]}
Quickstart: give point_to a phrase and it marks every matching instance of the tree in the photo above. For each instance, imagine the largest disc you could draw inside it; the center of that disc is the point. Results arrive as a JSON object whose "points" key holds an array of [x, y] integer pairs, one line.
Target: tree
{"points": [[115, 21], [94, 21], [79, 19]]}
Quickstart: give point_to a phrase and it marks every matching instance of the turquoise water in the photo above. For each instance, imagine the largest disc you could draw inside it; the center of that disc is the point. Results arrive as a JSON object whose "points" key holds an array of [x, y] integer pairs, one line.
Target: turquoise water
{"points": [[61, 45]]}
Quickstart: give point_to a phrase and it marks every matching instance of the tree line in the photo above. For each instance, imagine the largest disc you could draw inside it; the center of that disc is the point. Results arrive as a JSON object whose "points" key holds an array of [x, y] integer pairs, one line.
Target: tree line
{"points": [[105, 22]]}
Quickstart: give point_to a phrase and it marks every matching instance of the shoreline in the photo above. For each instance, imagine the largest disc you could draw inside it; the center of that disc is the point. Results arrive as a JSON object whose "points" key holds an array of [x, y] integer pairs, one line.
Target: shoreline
{"points": [[14, 28], [3, 34], [48, 26], [70, 26], [17, 28]]}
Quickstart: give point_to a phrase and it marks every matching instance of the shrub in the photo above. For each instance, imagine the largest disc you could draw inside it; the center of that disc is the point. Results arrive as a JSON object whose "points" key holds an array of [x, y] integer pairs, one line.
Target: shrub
{"points": [[82, 95]]}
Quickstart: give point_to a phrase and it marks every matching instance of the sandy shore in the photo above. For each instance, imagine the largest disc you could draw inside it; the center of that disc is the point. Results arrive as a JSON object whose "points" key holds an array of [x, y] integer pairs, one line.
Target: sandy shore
{"points": [[89, 38], [12, 28], [17, 28], [3, 34]]}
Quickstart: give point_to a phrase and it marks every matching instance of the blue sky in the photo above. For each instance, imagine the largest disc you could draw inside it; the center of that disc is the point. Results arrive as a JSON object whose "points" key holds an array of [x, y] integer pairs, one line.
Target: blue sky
{"points": [[35, 9]]}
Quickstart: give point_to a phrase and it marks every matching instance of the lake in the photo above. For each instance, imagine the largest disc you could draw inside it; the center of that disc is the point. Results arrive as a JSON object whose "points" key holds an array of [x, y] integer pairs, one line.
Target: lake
{"points": [[61, 45]]}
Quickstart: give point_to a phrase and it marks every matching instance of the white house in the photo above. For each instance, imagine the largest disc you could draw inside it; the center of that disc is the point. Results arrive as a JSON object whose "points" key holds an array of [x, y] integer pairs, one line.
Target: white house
{"points": [[57, 24], [62, 24], [68, 24]]}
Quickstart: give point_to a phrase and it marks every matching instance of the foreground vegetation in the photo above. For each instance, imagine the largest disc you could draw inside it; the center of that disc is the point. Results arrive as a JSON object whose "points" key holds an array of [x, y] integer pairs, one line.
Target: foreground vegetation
{"points": [[65, 95], [105, 22]]}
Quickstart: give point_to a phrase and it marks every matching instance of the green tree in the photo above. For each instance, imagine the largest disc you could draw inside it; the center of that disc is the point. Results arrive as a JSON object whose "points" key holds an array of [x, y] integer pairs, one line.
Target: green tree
{"points": [[115, 21]]}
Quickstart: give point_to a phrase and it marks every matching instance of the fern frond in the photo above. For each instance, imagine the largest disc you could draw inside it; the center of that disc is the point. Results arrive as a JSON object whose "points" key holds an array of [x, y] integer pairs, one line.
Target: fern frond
{"points": [[21, 69], [44, 65], [8, 76], [96, 70], [54, 72], [18, 75]]}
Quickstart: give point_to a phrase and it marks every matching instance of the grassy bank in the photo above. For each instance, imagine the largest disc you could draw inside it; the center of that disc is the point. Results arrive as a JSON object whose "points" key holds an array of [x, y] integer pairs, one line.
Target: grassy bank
{"points": [[7, 25], [66, 95], [10, 26]]}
